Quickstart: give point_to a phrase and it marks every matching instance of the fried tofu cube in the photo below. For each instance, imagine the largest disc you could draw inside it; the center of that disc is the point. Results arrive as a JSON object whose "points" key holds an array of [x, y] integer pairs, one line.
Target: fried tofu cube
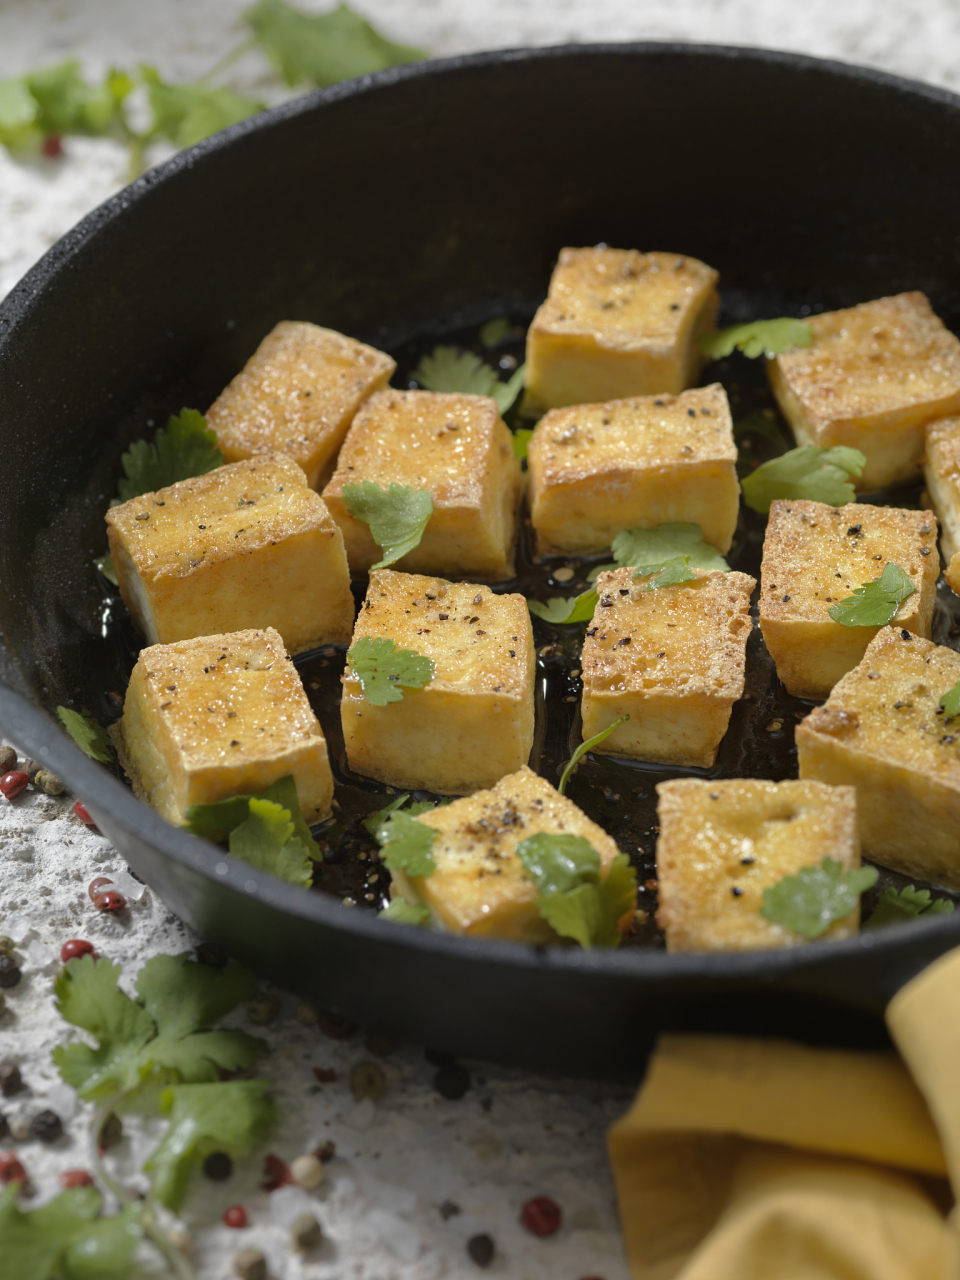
{"points": [[941, 471], [220, 716], [246, 545], [619, 323], [883, 731], [596, 469], [297, 395], [873, 377], [722, 843], [459, 448], [479, 887], [672, 658], [472, 724], [814, 557]]}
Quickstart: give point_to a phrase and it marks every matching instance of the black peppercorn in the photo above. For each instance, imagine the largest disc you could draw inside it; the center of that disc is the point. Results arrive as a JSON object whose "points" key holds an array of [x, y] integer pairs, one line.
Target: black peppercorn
{"points": [[481, 1249], [10, 1081], [218, 1167], [46, 1126], [9, 972], [452, 1081]]}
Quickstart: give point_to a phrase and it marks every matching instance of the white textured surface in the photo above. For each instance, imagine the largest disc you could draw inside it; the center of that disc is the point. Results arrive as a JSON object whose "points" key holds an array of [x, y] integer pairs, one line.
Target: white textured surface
{"points": [[513, 1135]]}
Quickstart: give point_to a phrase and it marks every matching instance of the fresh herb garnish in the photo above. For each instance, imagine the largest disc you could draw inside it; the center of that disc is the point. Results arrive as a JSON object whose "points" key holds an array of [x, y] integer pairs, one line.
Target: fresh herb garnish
{"points": [[397, 515], [384, 670], [67, 1237], [820, 475], [521, 442], [951, 702], [57, 100], [374, 822], [404, 842], [651, 550], [758, 424], [673, 572], [495, 331], [187, 113], [875, 603], [584, 747], [908, 903], [758, 338], [450, 369], [89, 735], [565, 609], [574, 899], [400, 911], [809, 902], [187, 447]]}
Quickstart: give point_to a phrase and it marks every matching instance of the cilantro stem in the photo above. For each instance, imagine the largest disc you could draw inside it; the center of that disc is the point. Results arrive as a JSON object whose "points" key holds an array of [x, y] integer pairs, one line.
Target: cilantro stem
{"points": [[99, 1169], [179, 1263], [583, 748], [228, 60]]}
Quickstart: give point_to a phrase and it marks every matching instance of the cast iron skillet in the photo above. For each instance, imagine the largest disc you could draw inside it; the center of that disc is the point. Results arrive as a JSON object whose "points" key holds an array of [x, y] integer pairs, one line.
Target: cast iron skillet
{"points": [[425, 198]]}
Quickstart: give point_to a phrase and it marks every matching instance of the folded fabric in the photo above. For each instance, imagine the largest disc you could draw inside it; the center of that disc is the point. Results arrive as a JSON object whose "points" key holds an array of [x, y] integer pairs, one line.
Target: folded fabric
{"points": [[765, 1160]]}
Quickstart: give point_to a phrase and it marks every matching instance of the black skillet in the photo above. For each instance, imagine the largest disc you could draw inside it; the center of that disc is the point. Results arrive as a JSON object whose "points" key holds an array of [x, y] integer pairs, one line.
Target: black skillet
{"points": [[400, 208]]}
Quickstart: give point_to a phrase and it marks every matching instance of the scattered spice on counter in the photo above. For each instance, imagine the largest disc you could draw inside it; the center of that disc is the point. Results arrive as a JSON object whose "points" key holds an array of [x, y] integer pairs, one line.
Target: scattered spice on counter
{"points": [[263, 1009], [10, 973], [218, 1166], [541, 1216], [46, 1126], [236, 1217], [305, 1233], [367, 1081], [452, 1081], [276, 1173], [76, 947], [307, 1172], [14, 783], [250, 1264], [10, 1081], [481, 1249]]}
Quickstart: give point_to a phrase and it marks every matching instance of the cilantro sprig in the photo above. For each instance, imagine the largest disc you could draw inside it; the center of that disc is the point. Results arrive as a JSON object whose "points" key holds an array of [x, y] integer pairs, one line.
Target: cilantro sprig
{"points": [[186, 447], [397, 516], [821, 475], [809, 902], [187, 113], [575, 899], [67, 1237], [385, 670], [658, 550], [87, 732], [908, 903], [757, 338], [400, 911], [404, 842], [875, 603], [586, 746], [561, 610], [521, 442], [450, 369]]}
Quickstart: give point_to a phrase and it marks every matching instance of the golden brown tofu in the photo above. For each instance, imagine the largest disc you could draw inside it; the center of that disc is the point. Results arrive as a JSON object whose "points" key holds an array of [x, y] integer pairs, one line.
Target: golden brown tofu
{"points": [[473, 722], [814, 557], [247, 545], [619, 323], [220, 716], [873, 377], [480, 887], [596, 469], [673, 658], [459, 448], [941, 471], [722, 843], [296, 395], [882, 730]]}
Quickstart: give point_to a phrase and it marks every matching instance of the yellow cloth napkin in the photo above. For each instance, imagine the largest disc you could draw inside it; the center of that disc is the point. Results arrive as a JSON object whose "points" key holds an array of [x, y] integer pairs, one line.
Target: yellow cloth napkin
{"points": [[764, 1160]]}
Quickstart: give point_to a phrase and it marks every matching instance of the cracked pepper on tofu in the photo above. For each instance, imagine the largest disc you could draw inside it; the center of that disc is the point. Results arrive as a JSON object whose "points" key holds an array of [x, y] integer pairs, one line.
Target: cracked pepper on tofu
{"points": [[873, 377], [596, 469], [473, 722], [722, 843], [246, 545], [479, 887], [459, 448], [673, 658], [814, 557], [220, 716], [617, 322], [883, 731], [296, 395], [941, 471]]}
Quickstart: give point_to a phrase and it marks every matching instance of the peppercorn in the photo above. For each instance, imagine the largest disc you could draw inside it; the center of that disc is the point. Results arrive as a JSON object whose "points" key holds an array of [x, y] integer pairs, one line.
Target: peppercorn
{"points": [[83, 813], [75, 1178], [307, 1013], [7, 945], [276, 1173], [306, 1232], [11, 1170], [367, 1081], [3, 1004], [111, 1132], [263, 1009], [9, 972], [541, 1216], [10, 1081], [481, 1249], [75, 948], [31, 768], [210, 954], [452, 1081], [110, 901], [14, 783], [8, 760], [49, 783], [236, 1217], [379, 1044], [218, 1166], [250, 1264], [307, 1172], [97, 885], [335, 1026], [46, 1126], [326, 1151]]}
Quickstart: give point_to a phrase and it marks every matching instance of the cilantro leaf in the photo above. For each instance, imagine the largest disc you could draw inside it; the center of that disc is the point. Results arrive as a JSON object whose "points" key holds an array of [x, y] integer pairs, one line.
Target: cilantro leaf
{"points": [[907, 904], [521, 442], [649, 550], [809, 902], [672, 573], [397, 515], [400, 911], [221, 817], [383, 669], [584, 747], [374, 821], [18, 111], [89, 735], [405, 843], [450, 369], [187, 113], [875, 603], [105, 1249], [266, 840], [230, 1116], [759, 337], [323, 48], [187, 447], [88, 996], [951, 702], [821, 475], [564, 609], [66, 1237], [575, 900], [495, 331]]}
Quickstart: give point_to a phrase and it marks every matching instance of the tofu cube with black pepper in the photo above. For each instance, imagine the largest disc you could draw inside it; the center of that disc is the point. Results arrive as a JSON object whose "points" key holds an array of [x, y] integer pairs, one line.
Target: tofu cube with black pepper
{"points": [[472, 723], [941, 471], [618, 323], [722, 843], [297, 395], [872, 379], [815, 557], [246, 545], [220, 716], [672, 658], [883, 731], [596, 469], [479, 887], [459, 448]]}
